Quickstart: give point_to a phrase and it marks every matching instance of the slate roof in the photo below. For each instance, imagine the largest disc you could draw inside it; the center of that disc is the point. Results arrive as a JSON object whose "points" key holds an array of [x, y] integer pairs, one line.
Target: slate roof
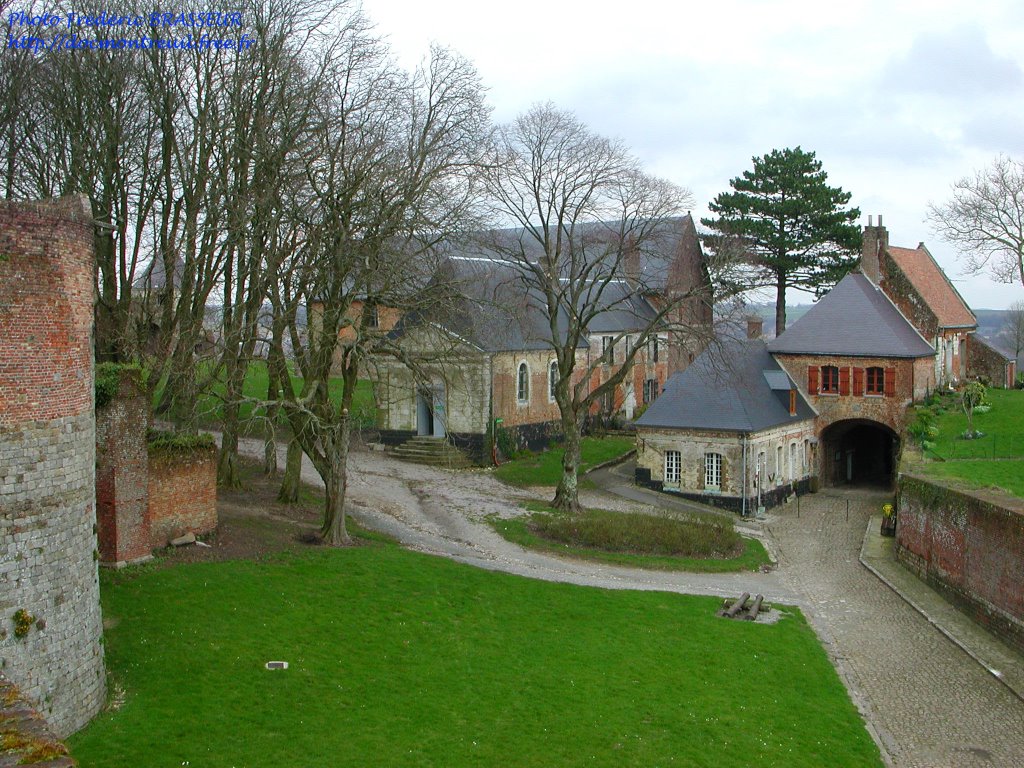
{"points": [[496, 310], [857, 319], [735, 385], [933, 285]]}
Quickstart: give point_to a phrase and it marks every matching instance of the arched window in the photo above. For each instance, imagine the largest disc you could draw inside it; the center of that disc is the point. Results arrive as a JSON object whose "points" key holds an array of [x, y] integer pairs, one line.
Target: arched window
{"points": [[552, 379], [713, 471], [523, 388], [875, 381]]}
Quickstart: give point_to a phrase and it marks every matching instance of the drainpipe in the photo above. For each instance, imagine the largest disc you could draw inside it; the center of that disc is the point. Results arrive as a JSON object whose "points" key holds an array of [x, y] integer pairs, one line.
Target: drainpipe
{"points": [[743, 510]]}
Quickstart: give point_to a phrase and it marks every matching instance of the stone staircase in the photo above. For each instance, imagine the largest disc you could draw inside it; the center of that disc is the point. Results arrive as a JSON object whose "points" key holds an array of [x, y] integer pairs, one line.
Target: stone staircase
{"points": [[435, 451]]}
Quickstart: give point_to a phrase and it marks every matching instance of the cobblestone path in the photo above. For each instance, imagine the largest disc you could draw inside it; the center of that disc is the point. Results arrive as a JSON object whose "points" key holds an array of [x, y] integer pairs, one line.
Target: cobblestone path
{"points": [[932, 705]]}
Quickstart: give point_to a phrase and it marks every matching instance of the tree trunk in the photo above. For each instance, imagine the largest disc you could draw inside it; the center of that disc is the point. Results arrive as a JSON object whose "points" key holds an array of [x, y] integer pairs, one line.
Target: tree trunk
{"points": [[567, 494], [289, 493], [780, 305], [270, 427], [227, 462], [334, 530]]}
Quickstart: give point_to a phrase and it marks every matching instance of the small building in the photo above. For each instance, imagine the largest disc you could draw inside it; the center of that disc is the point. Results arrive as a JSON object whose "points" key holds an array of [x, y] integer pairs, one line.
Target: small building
{"points": [[732, 430]]}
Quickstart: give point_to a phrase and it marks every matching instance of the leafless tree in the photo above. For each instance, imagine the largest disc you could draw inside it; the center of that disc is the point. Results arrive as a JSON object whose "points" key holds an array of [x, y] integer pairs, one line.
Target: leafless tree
{"points": [[985, 220], [388, 166], [581, 204], [1014, 328]]}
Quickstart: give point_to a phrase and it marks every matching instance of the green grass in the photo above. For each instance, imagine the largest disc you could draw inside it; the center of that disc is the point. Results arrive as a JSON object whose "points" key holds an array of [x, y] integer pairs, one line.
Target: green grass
{"points": [[401, 659], [546, 468], [1006, 474], [211, 402], [636, 540], [1003, 427]]}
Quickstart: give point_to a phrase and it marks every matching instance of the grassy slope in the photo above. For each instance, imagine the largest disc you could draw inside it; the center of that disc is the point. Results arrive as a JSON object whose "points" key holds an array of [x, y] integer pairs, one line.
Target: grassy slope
{"points": [[546, 468], [398, 658], [970, 461]]}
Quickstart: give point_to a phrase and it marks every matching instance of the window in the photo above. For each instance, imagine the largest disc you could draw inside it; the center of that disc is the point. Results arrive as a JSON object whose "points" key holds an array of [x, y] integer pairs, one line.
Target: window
{"points": [[792, 461], [830, 379], [650, 390], [778, 465], [523, 388], [608, 350], [373, 318], [875, 381], [652, 349], [713, 471], [552, 379], [629, 347], [673, 463], [805, 458]]}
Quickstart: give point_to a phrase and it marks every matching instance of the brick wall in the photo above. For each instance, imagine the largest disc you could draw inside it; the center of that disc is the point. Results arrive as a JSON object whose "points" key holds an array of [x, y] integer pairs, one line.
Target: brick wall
{"points": [[969, 545], [182, 494], [122, 476], [47, 460]]}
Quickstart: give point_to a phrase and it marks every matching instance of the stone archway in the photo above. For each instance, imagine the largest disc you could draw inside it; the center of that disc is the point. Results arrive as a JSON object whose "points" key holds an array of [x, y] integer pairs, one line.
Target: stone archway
{"points": [[859, 452]]}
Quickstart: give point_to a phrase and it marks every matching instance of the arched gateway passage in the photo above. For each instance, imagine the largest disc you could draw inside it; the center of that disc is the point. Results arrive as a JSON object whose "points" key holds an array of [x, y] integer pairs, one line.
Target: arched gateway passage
{"points": [[859, 452]]}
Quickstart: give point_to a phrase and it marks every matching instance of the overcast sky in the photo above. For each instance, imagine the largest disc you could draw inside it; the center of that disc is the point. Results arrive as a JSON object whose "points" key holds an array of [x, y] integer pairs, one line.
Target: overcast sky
{"points": [[898, 99]]}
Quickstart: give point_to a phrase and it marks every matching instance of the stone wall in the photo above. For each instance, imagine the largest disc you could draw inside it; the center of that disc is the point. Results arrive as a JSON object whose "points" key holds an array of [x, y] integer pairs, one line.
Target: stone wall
{"points": [[989, 364], [968, 545], [182, 494], [122, 475], [48, 568]]}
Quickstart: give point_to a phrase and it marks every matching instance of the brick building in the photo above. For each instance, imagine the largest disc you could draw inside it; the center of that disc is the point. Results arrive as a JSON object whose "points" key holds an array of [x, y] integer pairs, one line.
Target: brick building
{"points": [[487, 357], [883, 338]]}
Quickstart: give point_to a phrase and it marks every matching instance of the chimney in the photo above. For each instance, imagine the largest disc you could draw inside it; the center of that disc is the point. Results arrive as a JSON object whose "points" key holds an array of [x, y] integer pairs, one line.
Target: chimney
{"points": [[875, 241], [631, 262], [754, 327]]}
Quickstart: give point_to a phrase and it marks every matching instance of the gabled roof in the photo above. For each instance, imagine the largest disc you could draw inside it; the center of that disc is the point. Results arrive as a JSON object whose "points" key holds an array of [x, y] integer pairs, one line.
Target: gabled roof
{"points": [[857, 319], [734, 385], [933, 285]]}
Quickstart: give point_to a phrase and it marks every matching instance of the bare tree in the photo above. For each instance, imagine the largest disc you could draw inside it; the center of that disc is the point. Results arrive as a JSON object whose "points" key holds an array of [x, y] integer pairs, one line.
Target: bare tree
{"points": [[582, 205], [387, 166], [985, 220]]}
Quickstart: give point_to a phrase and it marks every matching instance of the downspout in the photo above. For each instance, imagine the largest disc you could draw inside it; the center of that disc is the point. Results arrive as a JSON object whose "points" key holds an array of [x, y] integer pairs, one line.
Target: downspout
{"points": [[743, 511]]}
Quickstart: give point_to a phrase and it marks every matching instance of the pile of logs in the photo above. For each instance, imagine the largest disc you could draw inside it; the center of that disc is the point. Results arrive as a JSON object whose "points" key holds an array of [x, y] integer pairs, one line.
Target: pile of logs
{"points": [[740, 610]]}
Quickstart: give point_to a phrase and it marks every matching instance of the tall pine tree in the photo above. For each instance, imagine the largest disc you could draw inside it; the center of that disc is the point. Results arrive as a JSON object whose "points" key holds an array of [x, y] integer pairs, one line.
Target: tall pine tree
{"points": [[793, 227]]}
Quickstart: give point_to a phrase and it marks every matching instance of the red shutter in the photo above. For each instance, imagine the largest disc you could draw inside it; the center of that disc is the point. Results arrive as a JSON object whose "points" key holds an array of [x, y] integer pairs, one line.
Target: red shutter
{"points": [[858, 381], [812, 379], [844, 381], [890, 382]]}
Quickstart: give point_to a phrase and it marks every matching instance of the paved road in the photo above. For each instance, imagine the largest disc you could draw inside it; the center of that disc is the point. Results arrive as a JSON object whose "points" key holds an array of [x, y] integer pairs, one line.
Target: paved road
{"points": [[928, 702]]}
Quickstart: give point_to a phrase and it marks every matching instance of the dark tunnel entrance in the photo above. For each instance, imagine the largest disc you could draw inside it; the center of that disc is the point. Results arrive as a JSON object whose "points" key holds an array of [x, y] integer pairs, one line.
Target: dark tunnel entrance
{"points": [[859, 452]]}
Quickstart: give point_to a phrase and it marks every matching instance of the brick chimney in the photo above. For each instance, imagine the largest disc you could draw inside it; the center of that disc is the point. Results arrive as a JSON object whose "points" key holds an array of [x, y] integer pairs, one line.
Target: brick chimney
{"points": [[875, 241], [755, 327]]}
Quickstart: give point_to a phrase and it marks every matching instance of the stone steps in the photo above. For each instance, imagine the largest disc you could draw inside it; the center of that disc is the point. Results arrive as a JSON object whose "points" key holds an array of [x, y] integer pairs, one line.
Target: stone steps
{"points": [[433, 451]]}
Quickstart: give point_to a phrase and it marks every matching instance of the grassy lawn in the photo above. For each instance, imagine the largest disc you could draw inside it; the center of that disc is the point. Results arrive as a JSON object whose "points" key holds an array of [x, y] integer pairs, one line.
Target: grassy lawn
{"points": [[398, 658], [636, 540], [995, 460], [210, 407], [1007, 474], [1003, 427], [546, 468]]}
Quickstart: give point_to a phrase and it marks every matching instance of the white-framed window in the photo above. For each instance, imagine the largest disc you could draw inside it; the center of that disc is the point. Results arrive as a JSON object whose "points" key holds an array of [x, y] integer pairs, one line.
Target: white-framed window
{"points": [[673, 466], [523, 384], [608, 350], [805, 462], [552, 379], [713, 471], [792, 461], [650, 390], [778, 465], [652, 349]]}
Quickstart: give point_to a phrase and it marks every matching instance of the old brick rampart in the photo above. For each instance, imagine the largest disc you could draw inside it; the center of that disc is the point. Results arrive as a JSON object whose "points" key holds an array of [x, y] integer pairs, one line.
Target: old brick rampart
{"points": [[968, 545], [50, 622]]}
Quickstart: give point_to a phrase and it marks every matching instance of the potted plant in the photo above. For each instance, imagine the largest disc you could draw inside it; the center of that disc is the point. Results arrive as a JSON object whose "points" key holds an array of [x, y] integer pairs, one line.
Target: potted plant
{"points": [[888, 520]]}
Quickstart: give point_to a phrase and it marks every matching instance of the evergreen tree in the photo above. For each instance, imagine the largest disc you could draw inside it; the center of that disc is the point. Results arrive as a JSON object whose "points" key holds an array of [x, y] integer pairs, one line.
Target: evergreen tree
{"points": [[792, 227]]}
